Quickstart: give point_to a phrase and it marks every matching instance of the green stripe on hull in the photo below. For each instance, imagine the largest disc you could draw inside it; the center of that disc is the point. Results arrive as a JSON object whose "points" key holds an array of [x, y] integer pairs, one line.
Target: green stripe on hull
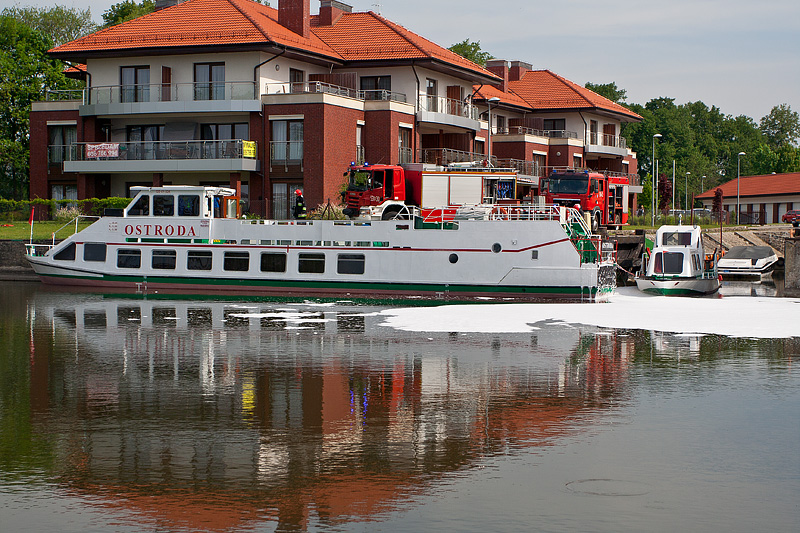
{"points": [[341, 286]]}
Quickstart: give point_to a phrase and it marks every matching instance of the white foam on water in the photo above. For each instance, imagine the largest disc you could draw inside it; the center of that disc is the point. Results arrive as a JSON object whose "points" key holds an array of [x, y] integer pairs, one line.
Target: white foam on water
{"points": [[733, 316]]}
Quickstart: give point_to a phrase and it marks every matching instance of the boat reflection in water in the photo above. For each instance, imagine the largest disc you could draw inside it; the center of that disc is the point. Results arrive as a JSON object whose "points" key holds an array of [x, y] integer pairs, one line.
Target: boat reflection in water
{"points": [[202, 415]]}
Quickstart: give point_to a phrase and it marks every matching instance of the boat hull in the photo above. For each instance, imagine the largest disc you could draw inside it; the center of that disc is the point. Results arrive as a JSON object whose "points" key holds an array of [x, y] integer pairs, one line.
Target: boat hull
{"points": [[679, 287]]}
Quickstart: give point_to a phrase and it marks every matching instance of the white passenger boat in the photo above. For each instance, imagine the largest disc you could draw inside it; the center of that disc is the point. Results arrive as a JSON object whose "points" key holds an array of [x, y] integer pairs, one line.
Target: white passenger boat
{"points": [[677, 265], [747, 262], [190, 239]]}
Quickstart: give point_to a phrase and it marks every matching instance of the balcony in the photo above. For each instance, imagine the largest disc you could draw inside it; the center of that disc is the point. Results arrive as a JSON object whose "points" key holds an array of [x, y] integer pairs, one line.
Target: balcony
{"points": [[235, 155], [603, 143], [229, 96], [449, 112]]}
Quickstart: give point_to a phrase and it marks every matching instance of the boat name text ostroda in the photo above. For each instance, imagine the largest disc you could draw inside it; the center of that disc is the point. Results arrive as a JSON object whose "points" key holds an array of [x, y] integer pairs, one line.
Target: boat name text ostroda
{"points": [[158, 230]]}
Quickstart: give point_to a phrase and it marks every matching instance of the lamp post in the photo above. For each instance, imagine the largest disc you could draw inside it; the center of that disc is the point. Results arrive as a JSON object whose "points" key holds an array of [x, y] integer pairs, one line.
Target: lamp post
{"points": [[655, 171], [686, 192], [490, 101], [738, 175]]}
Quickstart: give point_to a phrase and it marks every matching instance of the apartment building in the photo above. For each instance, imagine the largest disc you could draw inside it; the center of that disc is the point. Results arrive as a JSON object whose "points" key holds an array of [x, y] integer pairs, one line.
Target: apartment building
{"points": [[266, 101]]}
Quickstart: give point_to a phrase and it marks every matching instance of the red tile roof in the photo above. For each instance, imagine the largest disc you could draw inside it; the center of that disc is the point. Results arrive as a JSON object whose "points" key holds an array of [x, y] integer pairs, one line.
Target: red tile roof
{"points": [[544, 90], [488, 91], [368, 36], [354, 37], [764, 185]]}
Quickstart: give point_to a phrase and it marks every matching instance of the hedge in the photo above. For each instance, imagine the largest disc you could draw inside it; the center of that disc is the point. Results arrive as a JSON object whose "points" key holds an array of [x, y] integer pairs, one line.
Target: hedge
{"points": [[11, 209]]}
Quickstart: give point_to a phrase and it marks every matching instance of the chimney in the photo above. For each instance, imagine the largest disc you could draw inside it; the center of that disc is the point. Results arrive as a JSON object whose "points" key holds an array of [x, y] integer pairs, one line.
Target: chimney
{"points": [[518, 70], [295, 15], [330, 11], [500, 68]]}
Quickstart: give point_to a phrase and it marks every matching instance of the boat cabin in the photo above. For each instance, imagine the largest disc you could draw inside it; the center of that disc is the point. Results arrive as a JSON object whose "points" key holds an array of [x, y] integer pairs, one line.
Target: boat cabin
{"points": [[183, 201], [678, 252]]}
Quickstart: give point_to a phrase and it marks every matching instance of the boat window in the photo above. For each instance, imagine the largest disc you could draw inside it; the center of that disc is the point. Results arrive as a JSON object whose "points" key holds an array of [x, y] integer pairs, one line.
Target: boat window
{"points": [[676, 238], [94, 251], [164, 259], [668, 263], [129, 258], [188, 206], [66, 254], [141, 207], [311, 264], [198, 260], [350, 264], [236, 261], [273, 262], [163, 205]]}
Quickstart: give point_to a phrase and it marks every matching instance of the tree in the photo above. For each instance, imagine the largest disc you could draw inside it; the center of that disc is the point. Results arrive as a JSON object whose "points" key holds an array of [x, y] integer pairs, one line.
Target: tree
{"points": [[716, 206], [60, 24], [608, 90], [664, 192], [25, 71], [125, 11], [781, 126], [472, 51]]}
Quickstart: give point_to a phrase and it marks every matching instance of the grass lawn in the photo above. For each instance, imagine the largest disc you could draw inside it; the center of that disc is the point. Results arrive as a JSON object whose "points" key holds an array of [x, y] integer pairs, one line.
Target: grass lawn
{"points": [[19, 230]]}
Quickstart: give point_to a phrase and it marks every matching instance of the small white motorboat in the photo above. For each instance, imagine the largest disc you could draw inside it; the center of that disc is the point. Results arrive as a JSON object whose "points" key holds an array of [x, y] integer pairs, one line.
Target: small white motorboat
{"points": [[747, 262], [677, 266]]}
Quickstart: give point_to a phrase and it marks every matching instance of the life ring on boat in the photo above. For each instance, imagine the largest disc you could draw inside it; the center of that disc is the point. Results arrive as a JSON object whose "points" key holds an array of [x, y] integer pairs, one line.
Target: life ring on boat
{"points": [[499, 213]]}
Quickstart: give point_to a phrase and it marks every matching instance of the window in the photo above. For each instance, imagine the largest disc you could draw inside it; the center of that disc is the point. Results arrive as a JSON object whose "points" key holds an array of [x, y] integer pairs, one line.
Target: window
{"points": [[209, 81], [406, 151], [164, 259], [297, 80], [311, 263], [376, 87], [94, 251], [216, 132], [64, 192], [188, 205], [141, 207], [350, 264], [668, 263], [287, 141], [135, 84], [432, 91], [501, 124], [61, 137], [163, 205], [142, 142], [273, 262], [198, 260], [236, 261], [557, 124], [66, 254], [592, 132], [129, 258]]}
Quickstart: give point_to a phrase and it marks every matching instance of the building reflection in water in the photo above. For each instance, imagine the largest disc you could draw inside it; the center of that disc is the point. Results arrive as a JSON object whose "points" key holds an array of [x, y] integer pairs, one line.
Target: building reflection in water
{"points": [[212, 415]]}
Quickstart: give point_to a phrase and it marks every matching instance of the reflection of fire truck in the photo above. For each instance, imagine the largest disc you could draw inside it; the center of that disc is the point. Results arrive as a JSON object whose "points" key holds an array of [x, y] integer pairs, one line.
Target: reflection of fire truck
{"points": [[391, 191], [604, 198]]}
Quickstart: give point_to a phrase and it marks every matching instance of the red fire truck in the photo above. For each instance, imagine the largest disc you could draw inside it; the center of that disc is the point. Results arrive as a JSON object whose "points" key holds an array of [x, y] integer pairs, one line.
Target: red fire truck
{"points": [[391, 191], [604, 197]]}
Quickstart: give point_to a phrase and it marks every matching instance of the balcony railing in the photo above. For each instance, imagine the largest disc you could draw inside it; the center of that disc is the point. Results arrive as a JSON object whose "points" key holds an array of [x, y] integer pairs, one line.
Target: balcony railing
{"points": [[406, 155], [553, 134], [450, 106], [605, 139], [311, 87], [446, 156], [57, 153], [383, 96], [286, 153], [59, 95], [171, 92], [162, 150]]}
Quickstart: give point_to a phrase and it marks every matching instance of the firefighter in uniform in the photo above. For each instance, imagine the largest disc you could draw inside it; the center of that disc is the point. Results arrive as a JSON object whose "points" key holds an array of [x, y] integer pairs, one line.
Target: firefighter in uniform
{"points": [[299, 205]]}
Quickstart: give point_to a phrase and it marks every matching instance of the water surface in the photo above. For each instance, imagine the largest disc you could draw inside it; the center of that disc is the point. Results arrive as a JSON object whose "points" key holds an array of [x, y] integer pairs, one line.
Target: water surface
{"points": [[131, 414]]}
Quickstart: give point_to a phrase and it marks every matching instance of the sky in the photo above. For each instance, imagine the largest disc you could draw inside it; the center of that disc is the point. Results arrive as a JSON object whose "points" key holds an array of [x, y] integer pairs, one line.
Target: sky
{"points": [[742, 56]]}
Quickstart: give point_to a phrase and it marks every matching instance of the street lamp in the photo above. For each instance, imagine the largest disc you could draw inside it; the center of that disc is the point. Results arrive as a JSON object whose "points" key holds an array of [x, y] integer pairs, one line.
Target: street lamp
{"points": [[655, 171], [686, 192], [490, 101], [738, 173]]}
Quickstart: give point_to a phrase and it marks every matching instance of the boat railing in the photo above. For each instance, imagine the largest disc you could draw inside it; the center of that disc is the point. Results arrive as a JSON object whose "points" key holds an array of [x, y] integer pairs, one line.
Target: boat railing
{"points": [[38, 249]]}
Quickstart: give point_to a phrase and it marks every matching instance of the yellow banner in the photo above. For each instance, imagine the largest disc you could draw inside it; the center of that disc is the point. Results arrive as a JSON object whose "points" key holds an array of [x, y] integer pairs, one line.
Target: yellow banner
{"points": [[249, 149]]}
